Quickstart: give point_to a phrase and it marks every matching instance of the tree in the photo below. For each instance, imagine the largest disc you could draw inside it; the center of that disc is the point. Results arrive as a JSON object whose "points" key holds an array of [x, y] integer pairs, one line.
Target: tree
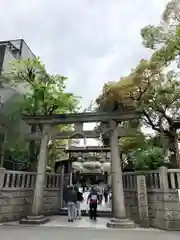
{"points": [[156, 94], [148, 158], [165, 37], [17, 156], [150, 87], [45, 93]]}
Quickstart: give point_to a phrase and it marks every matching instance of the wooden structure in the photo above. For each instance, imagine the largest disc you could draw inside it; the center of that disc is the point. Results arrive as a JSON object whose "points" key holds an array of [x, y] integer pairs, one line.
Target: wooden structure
{"points": [[84, 155], [97, 175]]}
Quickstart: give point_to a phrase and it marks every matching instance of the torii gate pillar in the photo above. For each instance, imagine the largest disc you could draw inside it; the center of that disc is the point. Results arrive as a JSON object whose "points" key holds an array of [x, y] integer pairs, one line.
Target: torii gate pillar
{"points": [[118, 207], [38, 197]]}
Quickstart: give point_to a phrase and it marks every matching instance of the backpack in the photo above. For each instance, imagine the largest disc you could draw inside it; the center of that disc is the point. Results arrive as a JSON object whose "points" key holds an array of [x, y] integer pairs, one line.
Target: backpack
{"points": [[94, 199], [79, 197]]}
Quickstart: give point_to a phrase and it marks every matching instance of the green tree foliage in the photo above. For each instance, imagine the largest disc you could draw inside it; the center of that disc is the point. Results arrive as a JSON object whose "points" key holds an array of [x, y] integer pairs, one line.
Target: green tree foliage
{"points": [[45, 94], [165, 37], [135, 139], [150, 87], [149, 158], [17, 156], [147, 155], [156, 94]]}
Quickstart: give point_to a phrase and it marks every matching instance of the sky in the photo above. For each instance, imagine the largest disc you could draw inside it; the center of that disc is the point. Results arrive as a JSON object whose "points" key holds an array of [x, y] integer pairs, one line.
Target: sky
{"points": [[89, 41]]}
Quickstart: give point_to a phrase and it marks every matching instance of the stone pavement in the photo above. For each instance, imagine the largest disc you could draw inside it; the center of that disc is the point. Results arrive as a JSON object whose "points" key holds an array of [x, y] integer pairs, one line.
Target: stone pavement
{"points": [[62, 221], [49, 233], [104, 207], [84, 222]]}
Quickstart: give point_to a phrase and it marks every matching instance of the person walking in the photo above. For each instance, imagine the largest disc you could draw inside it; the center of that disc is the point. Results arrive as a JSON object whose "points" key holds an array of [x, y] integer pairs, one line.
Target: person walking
{"points": [[100, 195], [70, 198], [106, 193], [78, 203], [93, 200], [83, 187]]}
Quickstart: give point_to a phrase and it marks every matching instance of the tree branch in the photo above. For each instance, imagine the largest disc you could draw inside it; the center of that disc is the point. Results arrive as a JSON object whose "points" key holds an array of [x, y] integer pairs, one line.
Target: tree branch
{"points": [[154, 127]]}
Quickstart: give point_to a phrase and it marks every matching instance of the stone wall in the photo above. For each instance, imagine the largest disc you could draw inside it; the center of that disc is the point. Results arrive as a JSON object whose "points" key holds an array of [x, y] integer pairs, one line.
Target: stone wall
{"points": [[164, 209], [152, 198], [131, 203], [16, 195], [131, 196], [164, 202]]}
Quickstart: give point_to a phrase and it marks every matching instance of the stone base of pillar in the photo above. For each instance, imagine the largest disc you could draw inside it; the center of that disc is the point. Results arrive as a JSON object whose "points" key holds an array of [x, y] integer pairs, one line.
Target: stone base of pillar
{"points": [[36, 220], [120, 223]]}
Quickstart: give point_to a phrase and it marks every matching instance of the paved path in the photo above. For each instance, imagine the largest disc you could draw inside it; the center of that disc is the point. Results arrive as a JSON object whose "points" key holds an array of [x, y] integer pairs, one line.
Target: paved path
{"points": [[49, 233], [84, 222]]}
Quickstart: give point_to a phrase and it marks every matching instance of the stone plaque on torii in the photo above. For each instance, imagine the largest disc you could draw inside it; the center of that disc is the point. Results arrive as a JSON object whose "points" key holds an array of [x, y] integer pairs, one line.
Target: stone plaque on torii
{"points": [[113, 118]]}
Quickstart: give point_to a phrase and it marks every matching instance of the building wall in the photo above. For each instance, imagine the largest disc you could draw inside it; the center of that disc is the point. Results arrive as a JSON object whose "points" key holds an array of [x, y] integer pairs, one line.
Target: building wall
{"points": [[8, 59], [11, 96], [23, 53], [26, 51], [2, 52], [17, 43]]}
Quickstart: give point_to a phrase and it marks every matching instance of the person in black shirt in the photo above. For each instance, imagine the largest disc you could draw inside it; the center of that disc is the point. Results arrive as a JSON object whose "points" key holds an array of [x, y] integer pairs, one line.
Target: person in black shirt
{"points": [[78, 203], [93, 199], [70, 197], [106, 193]]}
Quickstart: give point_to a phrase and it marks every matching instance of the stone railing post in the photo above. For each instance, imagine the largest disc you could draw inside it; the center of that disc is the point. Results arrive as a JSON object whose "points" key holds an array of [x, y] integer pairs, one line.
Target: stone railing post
{"points": [[164, 187], [163, 179], [142, 201], [61, 185], [2, 175]]}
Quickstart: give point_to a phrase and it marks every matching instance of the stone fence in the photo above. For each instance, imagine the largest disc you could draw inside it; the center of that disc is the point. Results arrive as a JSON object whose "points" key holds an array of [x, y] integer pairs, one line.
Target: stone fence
{"points": [[153, 198], [16, 194]]}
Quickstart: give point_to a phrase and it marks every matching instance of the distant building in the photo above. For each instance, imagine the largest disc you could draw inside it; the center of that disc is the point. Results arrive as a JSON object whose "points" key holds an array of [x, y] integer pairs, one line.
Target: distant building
{"points": [[11, 50]]}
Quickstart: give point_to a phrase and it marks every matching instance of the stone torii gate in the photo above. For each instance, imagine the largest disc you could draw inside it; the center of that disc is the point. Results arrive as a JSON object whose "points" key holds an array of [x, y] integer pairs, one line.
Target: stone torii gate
{"points": [[113, 118], [77, 133], [80, 133]]}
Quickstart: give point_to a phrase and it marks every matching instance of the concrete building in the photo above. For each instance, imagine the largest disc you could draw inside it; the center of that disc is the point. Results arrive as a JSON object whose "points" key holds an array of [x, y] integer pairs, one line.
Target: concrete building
{"points": [[10, 51]]}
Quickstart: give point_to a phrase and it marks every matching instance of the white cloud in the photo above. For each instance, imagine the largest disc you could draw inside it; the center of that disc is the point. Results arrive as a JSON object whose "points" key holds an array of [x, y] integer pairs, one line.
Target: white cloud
{"points": [[90, 41]]}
